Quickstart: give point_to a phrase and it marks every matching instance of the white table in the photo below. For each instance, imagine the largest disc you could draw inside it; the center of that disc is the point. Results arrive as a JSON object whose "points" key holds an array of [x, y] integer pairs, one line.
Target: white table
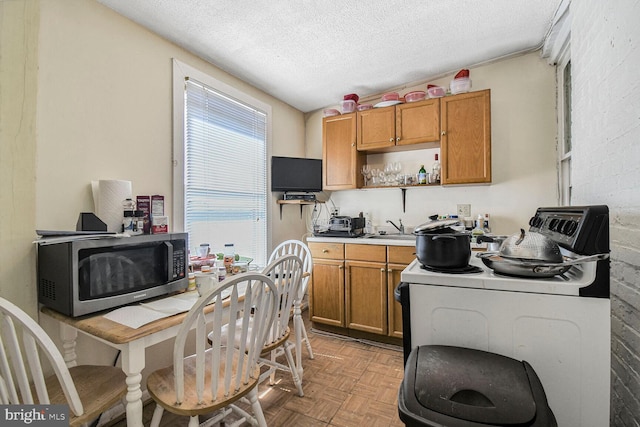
{"points": [[131, 342]]}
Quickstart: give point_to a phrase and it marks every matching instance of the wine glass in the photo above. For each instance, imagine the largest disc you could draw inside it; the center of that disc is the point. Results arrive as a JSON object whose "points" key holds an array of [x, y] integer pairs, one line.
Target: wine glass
{"points": [[397, 168], [366, 172], [388, 172]]}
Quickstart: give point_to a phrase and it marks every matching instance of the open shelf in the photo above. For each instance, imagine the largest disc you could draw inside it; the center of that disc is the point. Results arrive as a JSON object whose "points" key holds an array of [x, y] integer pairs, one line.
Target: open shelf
{"points": [[301, 203]]}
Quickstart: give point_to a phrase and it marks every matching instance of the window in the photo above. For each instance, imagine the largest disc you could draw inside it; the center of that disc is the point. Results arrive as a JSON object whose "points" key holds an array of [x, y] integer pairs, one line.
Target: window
{"points": [[564, 131], [220, 156], [557, 48]]}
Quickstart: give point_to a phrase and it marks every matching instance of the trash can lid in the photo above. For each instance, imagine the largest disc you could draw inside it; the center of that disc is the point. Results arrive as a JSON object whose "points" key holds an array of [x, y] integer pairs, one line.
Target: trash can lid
{"points": [[469, 384]]}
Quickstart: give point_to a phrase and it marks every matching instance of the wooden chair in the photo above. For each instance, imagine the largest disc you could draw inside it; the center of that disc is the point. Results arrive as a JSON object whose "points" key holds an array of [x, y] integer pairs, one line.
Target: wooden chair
{"points": [[217, 376], [286, 272], [296, 247], [24, 342]]}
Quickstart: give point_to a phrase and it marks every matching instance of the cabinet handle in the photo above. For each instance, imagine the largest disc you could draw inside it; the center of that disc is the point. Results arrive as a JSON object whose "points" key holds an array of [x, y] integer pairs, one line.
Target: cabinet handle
{"points": [[443, 133], [353, 144], [390, 270], [397, 139], [382, 270], [340, 267], [324, 251], [390, 139]]}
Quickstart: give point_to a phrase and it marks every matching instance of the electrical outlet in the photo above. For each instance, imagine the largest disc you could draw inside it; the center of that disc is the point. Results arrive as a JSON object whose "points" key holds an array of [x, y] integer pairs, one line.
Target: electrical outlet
{"points": [[464, 211], [335, 211]]}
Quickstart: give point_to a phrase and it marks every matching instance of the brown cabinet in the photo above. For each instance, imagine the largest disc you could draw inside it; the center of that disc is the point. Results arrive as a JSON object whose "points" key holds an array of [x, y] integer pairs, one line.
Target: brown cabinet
{"points": [[326, 293], [352, 286], [405, 124], [398, 258], [366, 288], [461, 123], [341, 162], [465, 143]]}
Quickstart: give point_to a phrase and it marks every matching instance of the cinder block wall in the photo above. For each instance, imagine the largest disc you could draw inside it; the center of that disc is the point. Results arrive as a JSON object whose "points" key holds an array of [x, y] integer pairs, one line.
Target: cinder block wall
{"points": [[605, 55]]}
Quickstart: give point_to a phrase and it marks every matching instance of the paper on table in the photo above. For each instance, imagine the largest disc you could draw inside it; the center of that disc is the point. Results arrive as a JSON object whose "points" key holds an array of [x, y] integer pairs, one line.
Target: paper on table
{"points": [[136, 316]]}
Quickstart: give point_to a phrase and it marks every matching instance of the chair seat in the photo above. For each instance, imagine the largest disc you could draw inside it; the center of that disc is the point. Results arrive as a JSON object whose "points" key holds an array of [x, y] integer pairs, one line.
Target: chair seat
{"points": [[104, 384], [162, 389]]}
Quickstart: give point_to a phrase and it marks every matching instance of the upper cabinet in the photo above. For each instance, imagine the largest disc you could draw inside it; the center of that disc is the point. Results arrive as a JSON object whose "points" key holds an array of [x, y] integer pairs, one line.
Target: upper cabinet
{"points": [[460, 123], [465, 143], [341, 163], [404, 124]]}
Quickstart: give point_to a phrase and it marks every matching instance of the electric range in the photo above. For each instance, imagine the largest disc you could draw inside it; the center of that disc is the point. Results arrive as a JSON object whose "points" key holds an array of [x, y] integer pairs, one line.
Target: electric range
{"points": [[560, 325]]}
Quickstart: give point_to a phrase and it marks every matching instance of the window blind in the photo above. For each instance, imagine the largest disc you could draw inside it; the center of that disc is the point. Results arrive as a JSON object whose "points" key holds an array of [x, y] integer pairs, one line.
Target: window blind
{"points": [[225, 172]]}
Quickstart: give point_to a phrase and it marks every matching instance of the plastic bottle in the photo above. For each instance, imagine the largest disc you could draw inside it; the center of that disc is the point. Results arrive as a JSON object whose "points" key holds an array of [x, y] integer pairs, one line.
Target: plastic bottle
{"points": [[435, 170], [192, 282], [422, 175], [138, 222], [127, 222], [478, 230], [487, 227], [229, 256]]}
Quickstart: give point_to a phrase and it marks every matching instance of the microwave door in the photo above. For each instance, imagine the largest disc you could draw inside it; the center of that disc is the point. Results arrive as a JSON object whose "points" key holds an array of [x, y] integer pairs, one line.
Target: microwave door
{"points": [[110, 274]]}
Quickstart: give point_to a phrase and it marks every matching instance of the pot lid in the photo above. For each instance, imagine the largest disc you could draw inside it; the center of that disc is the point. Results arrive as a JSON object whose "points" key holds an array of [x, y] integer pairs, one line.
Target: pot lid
{"points": [[435, 225]]}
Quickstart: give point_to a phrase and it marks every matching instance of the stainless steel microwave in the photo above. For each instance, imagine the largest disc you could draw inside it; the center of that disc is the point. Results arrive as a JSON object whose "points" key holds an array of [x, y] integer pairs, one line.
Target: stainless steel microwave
{"points": [[86, 276]]}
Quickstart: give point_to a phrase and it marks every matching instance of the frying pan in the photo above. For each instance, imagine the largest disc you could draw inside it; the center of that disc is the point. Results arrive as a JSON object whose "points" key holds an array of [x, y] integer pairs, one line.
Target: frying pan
{"points": [[525, 268]]}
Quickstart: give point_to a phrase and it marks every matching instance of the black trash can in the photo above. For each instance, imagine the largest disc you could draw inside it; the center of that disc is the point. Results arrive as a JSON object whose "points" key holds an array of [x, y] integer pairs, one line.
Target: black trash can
{"points": [[446, 386]]}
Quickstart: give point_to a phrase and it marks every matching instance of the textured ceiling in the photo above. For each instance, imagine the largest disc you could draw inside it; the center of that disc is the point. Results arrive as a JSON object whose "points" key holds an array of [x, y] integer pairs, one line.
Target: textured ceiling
{"points": [[311, 53]]}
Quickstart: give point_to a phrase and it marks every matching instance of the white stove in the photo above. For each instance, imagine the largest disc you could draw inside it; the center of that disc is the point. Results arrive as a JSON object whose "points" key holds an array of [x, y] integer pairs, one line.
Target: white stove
{"points": [[560, 325]]}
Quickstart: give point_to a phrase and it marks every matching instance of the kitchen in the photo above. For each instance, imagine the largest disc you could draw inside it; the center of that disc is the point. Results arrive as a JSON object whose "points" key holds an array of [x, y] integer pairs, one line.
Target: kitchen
{"points": [[79, 62]]}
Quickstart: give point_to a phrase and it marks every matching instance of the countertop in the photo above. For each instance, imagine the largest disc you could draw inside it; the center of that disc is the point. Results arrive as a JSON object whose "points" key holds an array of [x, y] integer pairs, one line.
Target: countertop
{"points": [[378, 240]]}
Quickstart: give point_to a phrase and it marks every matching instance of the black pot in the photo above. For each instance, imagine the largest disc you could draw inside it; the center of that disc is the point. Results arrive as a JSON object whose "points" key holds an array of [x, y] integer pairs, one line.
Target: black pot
{"points": [[443, 249]]}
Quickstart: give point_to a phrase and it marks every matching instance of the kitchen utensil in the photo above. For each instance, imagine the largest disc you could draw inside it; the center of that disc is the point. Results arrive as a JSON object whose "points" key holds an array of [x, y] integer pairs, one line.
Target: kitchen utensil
{"points": [[532, 268], [439, 246], [493, 242], [435, 225], [531, 246]]}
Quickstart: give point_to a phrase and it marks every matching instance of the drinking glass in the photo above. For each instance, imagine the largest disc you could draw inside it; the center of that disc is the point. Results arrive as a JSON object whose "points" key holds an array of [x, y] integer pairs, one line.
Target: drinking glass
{"points": [[366, 172]]}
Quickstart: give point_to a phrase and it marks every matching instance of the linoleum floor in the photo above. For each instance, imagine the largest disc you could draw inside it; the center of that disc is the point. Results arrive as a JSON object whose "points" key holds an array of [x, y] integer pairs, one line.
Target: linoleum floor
{"points": [[349, 383]]}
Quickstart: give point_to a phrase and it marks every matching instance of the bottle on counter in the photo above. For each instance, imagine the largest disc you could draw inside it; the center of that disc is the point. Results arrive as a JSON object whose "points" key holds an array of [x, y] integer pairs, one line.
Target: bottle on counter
{"points": [[487, 228], [422, 175], [435, 170], [478, 230]]}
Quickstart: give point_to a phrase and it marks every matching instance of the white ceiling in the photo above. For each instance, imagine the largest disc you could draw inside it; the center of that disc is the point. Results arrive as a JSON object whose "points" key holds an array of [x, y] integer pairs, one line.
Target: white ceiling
{"points": [[310, 53]]}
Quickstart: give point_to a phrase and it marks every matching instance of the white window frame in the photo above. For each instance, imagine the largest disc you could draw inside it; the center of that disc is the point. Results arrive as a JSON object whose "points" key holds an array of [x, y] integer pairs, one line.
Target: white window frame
{"points": [[181, 71], [564, 155]]}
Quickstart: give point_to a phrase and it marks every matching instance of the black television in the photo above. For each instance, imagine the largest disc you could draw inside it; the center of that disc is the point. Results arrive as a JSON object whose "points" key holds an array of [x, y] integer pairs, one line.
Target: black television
{"points": [[291, 174]]}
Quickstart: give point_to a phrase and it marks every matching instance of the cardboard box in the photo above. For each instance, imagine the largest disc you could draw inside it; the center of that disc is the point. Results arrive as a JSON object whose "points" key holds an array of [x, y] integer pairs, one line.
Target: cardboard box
{"points": [[159, 224]]}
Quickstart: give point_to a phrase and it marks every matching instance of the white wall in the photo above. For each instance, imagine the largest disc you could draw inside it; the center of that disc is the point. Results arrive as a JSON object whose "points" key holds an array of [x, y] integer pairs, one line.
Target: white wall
{"points": [[605, 58], [86, 95], [523, 138]]}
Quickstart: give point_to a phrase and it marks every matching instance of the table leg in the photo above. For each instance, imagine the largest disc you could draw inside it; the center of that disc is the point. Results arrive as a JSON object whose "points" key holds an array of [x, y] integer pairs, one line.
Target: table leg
{"points": [[132, 365], [68, 335]]}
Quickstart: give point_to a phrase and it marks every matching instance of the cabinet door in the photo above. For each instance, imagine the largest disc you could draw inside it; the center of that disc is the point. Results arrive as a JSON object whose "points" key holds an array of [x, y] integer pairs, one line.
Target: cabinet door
{"points": [[326, 293], [341, 162], [466, 138], [394, 308], [376, 128], [398, 257], [366, 296], [418, 122]]}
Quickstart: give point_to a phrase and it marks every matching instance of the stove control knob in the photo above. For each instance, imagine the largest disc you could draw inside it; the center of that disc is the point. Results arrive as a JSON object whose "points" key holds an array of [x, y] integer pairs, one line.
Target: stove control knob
{"points": [[572, 226]]}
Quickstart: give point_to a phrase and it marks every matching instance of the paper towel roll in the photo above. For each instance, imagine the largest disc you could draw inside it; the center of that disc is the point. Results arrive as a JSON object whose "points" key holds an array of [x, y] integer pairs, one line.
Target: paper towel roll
{"points": [[108, 195]]}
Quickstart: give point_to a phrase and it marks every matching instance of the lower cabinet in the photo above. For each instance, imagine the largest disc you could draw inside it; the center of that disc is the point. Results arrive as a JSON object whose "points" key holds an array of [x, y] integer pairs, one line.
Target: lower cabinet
{"points": [[352, 286]]}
